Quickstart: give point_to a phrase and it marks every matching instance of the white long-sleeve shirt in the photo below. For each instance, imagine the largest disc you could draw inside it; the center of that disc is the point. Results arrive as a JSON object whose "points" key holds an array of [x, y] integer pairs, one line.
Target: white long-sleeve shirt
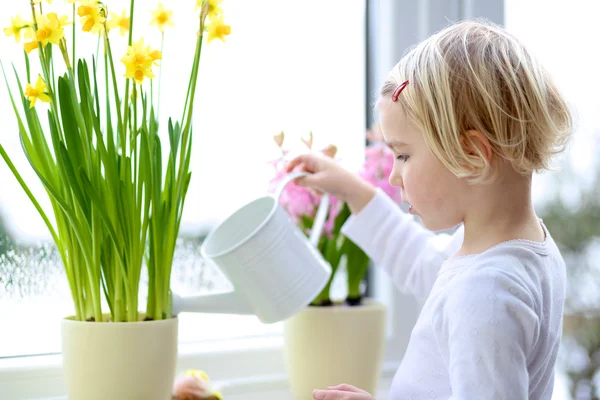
{"points": [[491, 324]]}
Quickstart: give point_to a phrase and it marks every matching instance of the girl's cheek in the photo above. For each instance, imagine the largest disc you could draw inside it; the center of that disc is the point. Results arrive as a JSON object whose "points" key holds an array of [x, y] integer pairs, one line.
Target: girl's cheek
{"points": [[413, 184], [408, 175]]}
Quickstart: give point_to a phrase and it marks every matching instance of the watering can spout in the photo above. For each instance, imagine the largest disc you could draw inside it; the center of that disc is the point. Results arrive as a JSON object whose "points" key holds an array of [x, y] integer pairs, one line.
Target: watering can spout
{"points": [[222, 303]]}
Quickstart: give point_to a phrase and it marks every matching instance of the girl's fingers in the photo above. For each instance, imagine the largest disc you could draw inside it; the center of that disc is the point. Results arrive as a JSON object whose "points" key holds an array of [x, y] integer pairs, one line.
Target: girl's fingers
{"points": [[348, 388], [339, 395], [302, 159], [309, 163]]}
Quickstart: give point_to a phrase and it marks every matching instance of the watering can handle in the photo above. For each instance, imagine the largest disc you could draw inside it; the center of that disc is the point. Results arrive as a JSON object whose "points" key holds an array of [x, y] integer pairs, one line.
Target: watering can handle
{"points": [[320, 218]]}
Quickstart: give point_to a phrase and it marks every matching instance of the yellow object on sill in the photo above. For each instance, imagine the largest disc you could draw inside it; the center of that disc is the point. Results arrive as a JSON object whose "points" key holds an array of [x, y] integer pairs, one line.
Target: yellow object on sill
{"points": [[194, 385]]}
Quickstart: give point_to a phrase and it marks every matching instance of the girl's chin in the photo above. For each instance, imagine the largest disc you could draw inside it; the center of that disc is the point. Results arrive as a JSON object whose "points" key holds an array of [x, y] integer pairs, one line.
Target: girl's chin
{"points": [[435, 226]]}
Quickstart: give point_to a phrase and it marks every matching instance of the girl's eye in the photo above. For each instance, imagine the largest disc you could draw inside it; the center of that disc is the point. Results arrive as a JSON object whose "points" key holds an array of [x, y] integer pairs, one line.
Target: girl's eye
{"points": [[402, 157]]}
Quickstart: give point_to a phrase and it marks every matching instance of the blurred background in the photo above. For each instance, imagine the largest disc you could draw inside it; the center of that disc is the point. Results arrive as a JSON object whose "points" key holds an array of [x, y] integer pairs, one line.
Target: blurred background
{"points": [[312, 66]]}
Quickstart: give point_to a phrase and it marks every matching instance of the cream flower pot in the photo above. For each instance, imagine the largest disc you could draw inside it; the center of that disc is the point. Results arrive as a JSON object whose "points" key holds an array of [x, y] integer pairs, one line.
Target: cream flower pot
{"points": [[124, 360], [326, 346]]}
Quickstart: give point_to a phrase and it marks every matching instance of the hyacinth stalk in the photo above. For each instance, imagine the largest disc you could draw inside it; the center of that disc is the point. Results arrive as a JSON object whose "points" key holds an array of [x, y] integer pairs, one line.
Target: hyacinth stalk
{"points": [[115, 205]]}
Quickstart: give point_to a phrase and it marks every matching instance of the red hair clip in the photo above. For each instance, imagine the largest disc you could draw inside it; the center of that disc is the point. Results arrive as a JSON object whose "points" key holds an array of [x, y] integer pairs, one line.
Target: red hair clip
{"points": [[399, 90]]}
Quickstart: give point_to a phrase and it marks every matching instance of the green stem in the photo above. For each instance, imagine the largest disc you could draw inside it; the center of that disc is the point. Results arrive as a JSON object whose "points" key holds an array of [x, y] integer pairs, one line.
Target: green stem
{"points": [[37, 206], [44, 65], [66, 259], [75, 263], [97, 46], [118, 317], [120, 121], [192, 86], [107, 90], [162, 45], [97, 261], [131, 7], [126, 100], [74, 35]]}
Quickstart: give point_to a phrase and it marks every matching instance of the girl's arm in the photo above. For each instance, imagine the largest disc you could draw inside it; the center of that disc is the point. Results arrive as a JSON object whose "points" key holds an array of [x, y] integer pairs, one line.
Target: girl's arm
{"points": [[408, 252]]}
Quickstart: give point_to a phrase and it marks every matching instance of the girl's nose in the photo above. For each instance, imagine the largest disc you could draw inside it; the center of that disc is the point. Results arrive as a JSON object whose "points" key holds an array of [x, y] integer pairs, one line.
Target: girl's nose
{"points": [[395, 178]]}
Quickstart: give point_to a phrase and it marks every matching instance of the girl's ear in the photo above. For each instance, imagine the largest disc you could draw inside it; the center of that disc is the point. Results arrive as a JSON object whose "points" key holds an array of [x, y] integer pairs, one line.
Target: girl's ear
{"points": [[479, 149], [477, 144]]}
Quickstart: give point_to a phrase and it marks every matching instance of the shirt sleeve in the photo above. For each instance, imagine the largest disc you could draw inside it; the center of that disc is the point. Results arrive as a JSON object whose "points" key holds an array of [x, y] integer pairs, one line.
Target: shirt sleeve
{"points": [[410, 254], [486, 328]]}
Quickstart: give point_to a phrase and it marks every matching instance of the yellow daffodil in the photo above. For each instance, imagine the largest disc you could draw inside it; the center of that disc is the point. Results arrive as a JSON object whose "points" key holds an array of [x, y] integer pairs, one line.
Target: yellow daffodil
{"points": [[36, 92], [122, 22], [139, 60], [16, 25], [161, 18], [30, 46], [29, 32], [92, 16], [214, 7], [50, 30], [217, 29]]}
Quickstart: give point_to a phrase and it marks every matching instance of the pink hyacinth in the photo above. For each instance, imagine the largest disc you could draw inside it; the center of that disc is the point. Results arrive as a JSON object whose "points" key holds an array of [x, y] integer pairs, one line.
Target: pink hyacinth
{"points": [[379, 162], [296, 200], [335, 206], [299, 201]]}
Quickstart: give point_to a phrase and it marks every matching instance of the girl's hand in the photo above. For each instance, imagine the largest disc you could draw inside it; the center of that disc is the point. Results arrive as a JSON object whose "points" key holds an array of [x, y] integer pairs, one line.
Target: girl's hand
{"points": [[330, 177], [342, 392]]}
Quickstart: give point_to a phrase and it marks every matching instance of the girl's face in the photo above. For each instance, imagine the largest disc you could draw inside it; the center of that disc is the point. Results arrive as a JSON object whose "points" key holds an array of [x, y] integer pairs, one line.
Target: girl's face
{"points": [[434, 193]]}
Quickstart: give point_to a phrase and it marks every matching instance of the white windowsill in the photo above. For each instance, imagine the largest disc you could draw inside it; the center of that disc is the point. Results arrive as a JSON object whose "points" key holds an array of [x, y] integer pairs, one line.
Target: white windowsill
{"points": [[249, 368]]}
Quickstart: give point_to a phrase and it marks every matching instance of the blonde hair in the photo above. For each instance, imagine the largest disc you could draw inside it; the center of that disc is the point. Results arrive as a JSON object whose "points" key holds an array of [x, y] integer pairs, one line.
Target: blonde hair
{"points": [[475, 76]]}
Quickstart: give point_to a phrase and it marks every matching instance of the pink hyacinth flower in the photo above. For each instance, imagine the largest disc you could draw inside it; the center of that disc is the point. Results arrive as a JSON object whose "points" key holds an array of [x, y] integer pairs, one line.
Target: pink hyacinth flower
{"points": [[378, 165], [299, 201]]}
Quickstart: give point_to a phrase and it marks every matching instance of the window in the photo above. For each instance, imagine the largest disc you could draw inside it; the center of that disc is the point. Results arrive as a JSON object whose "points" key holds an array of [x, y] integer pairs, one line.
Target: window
{"points": [[293, 66], [570, 56], [563, 36]]}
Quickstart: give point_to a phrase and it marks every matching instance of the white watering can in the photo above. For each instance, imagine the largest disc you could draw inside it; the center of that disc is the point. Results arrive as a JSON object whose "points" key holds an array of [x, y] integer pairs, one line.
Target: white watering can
{"points": [[274, 269]]}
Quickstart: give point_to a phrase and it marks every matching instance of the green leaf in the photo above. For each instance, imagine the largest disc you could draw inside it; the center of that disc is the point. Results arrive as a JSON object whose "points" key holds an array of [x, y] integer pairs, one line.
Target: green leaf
{"points": [[357, 263], [32, 198], [69, 213], [27, 67], [37, 142], [306, 223], [86, 105], [70, 127], [341, 219], [72, 181], [95, 95], [94, 196]]}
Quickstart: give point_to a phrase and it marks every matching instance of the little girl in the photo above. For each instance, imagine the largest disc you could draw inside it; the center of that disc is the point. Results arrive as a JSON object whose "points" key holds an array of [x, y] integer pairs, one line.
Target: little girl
{"points": [[470, 115]]}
